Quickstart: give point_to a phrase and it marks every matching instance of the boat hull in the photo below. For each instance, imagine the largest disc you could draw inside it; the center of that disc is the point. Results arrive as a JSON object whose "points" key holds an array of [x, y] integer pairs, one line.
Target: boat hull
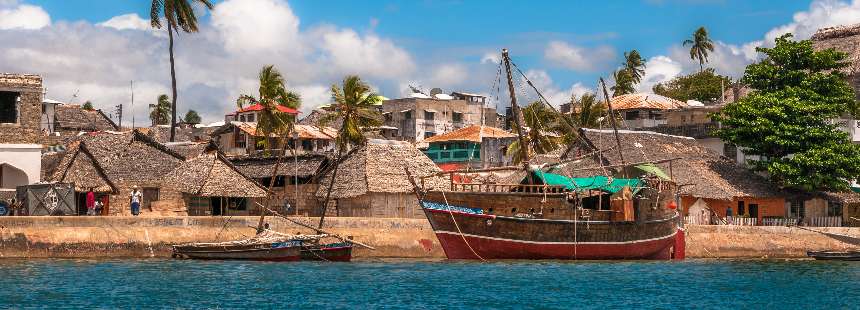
{"points": [[278, 251], [482, 236], [833, 255], [339, 252]]}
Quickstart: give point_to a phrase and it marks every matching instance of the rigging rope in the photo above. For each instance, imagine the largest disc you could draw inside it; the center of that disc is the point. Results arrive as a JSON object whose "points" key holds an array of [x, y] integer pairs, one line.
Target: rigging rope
{"points": [[458, 227]]}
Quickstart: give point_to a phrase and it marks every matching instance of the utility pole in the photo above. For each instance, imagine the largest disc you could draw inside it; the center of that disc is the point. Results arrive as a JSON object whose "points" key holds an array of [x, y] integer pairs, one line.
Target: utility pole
{"points": [[132, 105]]}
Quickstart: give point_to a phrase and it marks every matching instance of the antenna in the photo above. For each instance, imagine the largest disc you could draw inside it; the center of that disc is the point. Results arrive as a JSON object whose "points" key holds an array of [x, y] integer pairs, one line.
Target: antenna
{"points": [[118, 111]]}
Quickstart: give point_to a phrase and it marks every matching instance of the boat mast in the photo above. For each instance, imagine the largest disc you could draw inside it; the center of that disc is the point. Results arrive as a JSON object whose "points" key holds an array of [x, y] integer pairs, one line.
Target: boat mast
{"points": [[515, 109], [612, 121]]}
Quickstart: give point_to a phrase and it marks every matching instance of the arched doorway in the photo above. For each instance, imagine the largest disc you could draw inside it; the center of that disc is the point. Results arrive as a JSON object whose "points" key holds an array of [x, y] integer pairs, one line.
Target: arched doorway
{"points": [[11, 177]]}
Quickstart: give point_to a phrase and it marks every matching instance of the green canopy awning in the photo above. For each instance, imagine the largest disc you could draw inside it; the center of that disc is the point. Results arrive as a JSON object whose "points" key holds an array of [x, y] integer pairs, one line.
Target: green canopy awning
{"points": [[590, 183]]}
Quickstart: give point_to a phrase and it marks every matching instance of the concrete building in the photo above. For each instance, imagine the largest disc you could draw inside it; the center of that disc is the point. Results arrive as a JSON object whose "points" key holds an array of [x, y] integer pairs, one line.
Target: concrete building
{"points": [[420, 116], [242, 138], [20, 130]]}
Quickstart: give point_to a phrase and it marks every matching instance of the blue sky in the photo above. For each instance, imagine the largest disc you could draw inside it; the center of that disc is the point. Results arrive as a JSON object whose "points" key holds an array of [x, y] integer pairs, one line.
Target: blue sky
{"points": [[564, 45]]}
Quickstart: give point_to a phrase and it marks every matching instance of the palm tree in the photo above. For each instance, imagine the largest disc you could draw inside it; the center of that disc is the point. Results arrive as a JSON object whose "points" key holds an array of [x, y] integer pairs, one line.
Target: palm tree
{"points": [[272, 93], [543, 131], [160, 114], [178, 14], [635, 65], [354, 104], [700, 45], [623, 83]]}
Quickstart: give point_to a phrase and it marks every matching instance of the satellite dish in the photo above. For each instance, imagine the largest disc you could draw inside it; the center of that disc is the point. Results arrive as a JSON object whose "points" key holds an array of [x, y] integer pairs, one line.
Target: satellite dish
{"points": [[436, 91]]}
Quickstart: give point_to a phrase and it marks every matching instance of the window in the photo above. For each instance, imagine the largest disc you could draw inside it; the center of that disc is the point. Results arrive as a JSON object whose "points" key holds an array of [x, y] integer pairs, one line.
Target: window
{"points": [[631, 115], [407, 114], [428, 134], [251, 117], [387, 116], [9, 107], [457, 117], [741, 208], [444, 155], [429, 115], [796, 209], [433, 156], [240, 140], [307, 145], [241, 117]]}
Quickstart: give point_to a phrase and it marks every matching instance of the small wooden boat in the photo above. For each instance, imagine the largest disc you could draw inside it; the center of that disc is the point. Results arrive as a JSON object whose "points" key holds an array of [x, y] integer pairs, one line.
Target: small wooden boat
{"points": [[335, 252], [289, 250], [835, 255]]}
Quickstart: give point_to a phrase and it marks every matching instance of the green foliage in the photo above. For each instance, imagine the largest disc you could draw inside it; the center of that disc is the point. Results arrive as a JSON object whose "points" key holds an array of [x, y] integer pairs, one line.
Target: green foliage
{"points": [[88, 106], [634, 64], [542, 122], [354, 103], [703, 86], [191, 117], [160, 114], [623, 83], [788, 118], [272, 94], [700, 44], [179, 14]]}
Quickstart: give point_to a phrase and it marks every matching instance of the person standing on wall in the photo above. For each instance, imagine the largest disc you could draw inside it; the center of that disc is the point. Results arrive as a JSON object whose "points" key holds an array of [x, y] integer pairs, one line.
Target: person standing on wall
{"points": [[136, 198], [91, 202]]}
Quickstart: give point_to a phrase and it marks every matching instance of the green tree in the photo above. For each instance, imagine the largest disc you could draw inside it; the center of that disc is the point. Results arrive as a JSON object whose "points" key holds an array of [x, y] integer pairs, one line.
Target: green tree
{"points": [[700, 44], [544, 132], [788, 118], [354, 104], [191, 117], [88, 106], [703, 86], [160, 114], [634, 64], [178, 15], [623, 83], [273, 93]]}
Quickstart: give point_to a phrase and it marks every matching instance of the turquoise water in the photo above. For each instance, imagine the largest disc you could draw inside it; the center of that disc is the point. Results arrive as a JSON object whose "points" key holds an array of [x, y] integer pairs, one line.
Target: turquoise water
{"points": [[428, 285]]}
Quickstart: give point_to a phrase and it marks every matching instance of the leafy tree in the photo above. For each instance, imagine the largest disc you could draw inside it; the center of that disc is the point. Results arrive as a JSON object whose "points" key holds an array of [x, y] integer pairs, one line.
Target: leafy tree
{"points": [[623, 83], [634, 64], [702, 86], [700, 44], [88, 106], [273, 93], [787, 119], [191, 117], [160, 114], [354, 104], [178, 15], [587, 110], [541, 123]]}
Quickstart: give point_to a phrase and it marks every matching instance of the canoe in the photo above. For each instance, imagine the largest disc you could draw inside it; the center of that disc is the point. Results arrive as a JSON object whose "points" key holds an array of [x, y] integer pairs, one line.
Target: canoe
{"points": [[835, 255]]}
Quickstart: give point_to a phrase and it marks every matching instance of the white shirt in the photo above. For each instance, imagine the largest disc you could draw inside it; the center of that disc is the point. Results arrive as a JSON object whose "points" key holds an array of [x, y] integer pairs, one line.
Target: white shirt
{"points": [[136, 196]]}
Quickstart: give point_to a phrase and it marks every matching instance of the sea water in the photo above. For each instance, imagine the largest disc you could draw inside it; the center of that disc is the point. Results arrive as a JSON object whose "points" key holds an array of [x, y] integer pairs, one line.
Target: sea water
{"points": [[159, 283]]}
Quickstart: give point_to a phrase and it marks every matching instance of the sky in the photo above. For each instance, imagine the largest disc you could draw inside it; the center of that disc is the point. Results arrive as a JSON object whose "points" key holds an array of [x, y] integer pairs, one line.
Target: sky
{"points": [[92, 50]]}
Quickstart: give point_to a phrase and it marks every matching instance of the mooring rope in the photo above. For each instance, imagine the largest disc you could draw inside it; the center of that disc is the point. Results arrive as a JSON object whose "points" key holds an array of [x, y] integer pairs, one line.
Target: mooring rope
{"points": [[458, 227]]}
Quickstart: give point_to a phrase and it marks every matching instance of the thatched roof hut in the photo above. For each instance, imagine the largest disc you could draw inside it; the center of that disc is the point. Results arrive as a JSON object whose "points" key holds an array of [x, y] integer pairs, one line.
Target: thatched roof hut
{"points": [[74, 117], [308, 165], [212, 175], [115, 157], [378, 167], [705, 173], [845, 39]]}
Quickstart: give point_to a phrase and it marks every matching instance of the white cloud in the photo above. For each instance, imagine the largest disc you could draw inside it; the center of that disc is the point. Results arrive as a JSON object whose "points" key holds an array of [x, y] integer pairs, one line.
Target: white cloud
{"points": [[658, 69], [448, 75], [821, 14], [127, 21], [23, 16], [553, 93], [313, 96], [492, 58], [257, 26], [367, 55], [578, 58]]}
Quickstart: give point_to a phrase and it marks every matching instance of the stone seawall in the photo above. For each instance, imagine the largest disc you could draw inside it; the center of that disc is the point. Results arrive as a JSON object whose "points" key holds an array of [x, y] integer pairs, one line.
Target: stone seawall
{"points": [[90, 237]]}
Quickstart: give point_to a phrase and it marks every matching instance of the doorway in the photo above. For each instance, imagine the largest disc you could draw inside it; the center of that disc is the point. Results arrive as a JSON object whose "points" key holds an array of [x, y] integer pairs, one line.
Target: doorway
{"points": [[753, 210]]}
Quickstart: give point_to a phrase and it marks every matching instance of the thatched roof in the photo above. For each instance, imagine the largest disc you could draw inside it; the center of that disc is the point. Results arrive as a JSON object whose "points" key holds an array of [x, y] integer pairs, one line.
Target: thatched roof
{"points": [[261, 167], [129, 156], [315, 119], [79, 167], [73, 117], [472, 133], [378, 167], [212, 175], [645, 101], [844, 38], [187, 149], [50, 162], [708, 174], [161, 133]]}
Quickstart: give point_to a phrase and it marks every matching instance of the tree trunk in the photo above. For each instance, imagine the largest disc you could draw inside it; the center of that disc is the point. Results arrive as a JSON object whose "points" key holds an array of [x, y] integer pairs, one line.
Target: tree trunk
{"points": [[272, 180], [173, 83], [330, 185]]}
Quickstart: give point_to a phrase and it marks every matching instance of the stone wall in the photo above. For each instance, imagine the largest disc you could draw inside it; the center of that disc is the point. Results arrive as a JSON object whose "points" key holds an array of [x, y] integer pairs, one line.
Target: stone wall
{"points": [[27, 129]]}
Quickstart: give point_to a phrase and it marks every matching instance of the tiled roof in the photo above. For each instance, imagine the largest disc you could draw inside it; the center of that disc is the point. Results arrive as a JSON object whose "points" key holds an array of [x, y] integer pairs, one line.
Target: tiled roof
{"points": [[259, 107], [645, 101], [472, 133]]}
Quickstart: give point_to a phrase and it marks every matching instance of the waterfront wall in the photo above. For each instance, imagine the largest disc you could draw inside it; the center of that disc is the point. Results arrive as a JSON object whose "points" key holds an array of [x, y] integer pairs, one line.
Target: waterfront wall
{"points": [[88, 237]]}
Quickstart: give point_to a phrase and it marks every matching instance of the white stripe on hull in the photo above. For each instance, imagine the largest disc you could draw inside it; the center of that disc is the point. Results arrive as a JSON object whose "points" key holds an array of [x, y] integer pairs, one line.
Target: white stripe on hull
{"points": [[557, 243]]}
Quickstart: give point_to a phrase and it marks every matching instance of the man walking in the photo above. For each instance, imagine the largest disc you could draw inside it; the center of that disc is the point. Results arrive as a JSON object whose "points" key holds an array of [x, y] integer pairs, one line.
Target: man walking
{"points": [[136, 198]]}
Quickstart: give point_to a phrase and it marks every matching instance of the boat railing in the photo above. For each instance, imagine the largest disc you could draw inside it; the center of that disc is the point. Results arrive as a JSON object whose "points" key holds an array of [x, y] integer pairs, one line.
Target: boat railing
{"points": [[506, 188]]}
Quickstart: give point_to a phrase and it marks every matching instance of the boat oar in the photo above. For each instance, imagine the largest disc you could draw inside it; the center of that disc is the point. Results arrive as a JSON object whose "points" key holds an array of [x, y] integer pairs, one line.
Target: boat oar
{"points": [[319, 230]]}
